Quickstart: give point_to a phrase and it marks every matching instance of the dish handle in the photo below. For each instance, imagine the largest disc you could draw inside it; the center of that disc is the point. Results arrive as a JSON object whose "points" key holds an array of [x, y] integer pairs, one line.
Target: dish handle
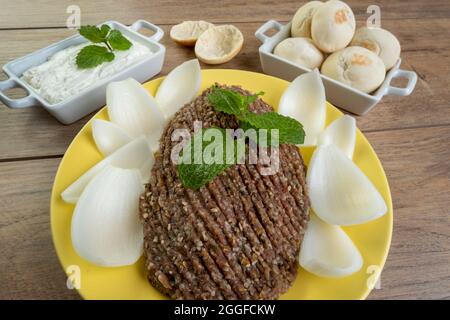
{"points": [[24, 102], [158, 32], [261, 32], [399, 73]]}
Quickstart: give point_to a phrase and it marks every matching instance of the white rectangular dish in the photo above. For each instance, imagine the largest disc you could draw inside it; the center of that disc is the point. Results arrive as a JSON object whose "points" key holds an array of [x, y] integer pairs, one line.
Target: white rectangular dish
{"points": [[337, 93], [92, 98]]}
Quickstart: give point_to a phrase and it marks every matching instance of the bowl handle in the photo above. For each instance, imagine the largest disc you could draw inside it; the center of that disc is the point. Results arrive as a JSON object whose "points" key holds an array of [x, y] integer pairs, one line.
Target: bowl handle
{"points": [[271, 24], [399, 73], [24, 102], [158, 32]]}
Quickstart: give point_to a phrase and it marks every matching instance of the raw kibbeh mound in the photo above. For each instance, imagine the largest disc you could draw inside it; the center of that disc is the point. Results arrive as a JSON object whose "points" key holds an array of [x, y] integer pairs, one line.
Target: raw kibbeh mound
{"points": [[239, 236]]}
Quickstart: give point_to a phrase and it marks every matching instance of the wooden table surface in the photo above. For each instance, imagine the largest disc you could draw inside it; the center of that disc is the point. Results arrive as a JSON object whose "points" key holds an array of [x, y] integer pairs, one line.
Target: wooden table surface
{"points": [[411, 135]]}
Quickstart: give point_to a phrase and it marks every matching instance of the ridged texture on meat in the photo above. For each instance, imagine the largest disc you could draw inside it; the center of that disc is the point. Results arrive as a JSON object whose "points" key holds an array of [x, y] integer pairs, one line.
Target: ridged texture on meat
{"points": [[239, 236]]}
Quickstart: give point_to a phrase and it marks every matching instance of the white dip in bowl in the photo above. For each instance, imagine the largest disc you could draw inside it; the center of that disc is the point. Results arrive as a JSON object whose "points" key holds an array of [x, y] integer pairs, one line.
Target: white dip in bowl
{"points": [[60, 78]]}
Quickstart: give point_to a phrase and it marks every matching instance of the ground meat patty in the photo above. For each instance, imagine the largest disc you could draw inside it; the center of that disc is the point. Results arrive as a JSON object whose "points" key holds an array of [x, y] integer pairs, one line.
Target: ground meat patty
{"points": [[239, 236]]}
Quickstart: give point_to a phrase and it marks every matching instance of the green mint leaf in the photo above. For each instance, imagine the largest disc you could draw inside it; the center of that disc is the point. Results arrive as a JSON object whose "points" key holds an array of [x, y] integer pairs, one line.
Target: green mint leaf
{"points": [[198, 167], [194, 176], [262, 138], [227, 101], [195, 169], [234, 103], [92, 33], [92, 56], [231, 102], [247, 126], [104, 30], [290, 130], [117, 41], [252, 98]]}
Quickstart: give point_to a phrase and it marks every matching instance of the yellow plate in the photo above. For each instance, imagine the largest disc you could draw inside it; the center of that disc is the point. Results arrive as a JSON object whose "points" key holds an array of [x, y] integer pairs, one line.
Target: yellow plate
{"points": [[372, 239]]}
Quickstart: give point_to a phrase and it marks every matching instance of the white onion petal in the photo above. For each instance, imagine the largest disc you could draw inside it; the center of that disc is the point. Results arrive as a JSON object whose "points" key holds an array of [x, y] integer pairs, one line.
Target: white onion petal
{"points": [[105, 224], [133, 109], [304, 100], [108, 136], [340, 192], [134, 155], [342, 133], [327, 251], [179, 87]]}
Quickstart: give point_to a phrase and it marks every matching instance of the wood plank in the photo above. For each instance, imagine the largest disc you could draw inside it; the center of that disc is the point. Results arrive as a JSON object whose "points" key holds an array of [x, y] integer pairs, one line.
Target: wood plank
{"points": [[30, 267], [428, 105], [48, 13], [417, 167], [433, 36], [34, 133]]}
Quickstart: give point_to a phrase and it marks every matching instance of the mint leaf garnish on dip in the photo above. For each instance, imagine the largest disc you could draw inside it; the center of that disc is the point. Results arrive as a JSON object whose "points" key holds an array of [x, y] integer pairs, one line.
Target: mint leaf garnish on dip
{"points": [[117, 41], [94, 55], [94, 34], [231, 102]]}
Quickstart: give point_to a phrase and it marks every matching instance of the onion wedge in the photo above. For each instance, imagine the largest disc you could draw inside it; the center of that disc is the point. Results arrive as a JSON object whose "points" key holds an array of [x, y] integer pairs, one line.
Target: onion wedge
{"points": [[340, 192], [105, 224], [133, 109], [327, 251], [179, 87], [341, 133], [304, 100], [108, 136], [134, 155]]}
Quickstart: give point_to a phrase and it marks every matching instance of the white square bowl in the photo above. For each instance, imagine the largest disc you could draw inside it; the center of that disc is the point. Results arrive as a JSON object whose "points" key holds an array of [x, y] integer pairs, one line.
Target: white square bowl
{"points": [[339, 94], [94, 97]]}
